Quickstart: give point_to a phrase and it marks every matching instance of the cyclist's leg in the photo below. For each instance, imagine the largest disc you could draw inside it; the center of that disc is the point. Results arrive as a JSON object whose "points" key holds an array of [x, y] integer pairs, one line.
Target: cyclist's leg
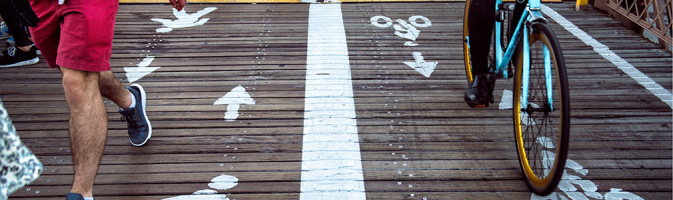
{"points": [[481, 19], [519, 7], [16, 25]]}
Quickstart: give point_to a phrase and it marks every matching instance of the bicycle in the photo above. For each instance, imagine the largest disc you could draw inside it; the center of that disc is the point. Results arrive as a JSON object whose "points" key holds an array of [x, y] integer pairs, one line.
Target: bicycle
{"points": [[541, 107]]}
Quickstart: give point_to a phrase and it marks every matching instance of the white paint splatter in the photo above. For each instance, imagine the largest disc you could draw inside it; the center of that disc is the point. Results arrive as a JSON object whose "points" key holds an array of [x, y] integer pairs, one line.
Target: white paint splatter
{"points": [[183, 20]]}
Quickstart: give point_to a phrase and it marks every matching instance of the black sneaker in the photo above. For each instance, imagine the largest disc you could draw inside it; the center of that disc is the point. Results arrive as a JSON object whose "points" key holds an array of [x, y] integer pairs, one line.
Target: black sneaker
{"points": [[37, 51], [13, 57], [32, 48], [477, 92], [140, 129], [74, 196]]}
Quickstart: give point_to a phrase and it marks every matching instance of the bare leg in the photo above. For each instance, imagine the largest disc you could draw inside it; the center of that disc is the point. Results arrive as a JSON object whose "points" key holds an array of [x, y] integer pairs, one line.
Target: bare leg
{"points": [[25, 48], [88, 126], [111, 89]]}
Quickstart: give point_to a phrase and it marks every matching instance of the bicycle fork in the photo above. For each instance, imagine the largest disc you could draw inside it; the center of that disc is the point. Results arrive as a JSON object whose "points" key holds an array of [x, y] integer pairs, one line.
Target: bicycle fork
{"points": [[502, 59]]}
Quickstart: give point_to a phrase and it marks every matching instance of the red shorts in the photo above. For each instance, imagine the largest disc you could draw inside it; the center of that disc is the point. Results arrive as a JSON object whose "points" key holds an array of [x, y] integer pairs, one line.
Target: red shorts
{"points": [[75, 35]]}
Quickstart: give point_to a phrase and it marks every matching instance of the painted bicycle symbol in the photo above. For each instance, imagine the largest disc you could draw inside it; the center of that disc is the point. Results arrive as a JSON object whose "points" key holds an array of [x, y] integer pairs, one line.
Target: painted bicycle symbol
{"points": [[402, 28], [409, 30], [571, 177]]}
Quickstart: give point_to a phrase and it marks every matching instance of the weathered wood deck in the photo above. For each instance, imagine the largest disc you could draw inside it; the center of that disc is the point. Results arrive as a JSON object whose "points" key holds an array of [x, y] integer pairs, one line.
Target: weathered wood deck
{"points": [[418, 139]]}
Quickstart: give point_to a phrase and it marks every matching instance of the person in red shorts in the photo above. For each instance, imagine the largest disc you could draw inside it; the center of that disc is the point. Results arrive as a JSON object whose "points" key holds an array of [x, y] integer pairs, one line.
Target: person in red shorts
{"points": [[75, 36]]}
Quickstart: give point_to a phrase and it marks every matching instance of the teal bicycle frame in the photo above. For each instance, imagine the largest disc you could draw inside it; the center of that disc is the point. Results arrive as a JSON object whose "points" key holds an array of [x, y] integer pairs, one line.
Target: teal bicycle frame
{"points": [[531, 15]]}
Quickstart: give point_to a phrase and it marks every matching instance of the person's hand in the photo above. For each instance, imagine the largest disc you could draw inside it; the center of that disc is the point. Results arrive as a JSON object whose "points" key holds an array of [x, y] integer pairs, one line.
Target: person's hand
{"points": [[178, 4]]}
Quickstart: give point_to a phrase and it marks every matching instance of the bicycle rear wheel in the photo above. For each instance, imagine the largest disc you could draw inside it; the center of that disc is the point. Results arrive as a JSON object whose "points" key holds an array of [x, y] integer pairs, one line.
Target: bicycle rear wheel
{"points": [[466, 44], [542, 128]]}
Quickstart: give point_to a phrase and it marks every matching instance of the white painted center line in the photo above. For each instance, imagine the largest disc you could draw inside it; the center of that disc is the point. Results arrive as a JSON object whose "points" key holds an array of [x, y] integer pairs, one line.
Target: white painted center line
{"points": [[611, 56], [331, 163]]}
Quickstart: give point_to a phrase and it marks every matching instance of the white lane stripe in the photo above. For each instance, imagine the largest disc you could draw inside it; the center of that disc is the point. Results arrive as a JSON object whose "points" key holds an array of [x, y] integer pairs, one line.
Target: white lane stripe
{"points": [[604, 51], [331, 163]]}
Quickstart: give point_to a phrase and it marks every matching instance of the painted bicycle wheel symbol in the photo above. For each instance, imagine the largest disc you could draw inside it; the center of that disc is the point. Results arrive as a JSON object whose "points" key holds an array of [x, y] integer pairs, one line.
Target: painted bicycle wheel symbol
{"points": [[385, 22], [404, 29]]}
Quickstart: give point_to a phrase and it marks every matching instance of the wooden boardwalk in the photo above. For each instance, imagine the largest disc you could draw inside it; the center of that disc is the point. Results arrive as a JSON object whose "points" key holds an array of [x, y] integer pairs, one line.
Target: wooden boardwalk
{"points": [[417, 138]]}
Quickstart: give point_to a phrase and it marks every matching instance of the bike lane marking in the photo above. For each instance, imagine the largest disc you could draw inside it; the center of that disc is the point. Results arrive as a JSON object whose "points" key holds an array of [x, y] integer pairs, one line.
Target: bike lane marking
{"points": [[611, 56], [331, 162], [184, 20], [569, 180]]}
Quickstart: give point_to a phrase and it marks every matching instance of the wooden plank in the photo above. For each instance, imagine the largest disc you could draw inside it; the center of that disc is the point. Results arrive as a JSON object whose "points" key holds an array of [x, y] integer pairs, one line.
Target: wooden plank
{"points": [[413, 130]]}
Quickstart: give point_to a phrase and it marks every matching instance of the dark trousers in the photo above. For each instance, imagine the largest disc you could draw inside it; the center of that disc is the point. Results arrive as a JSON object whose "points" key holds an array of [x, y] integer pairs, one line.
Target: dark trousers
{"points": [[481, 19], [13, 12]]}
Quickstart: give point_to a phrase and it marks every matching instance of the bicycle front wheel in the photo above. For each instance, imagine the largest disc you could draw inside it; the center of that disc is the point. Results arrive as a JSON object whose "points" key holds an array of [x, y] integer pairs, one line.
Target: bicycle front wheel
{"points": [[542, 123]]}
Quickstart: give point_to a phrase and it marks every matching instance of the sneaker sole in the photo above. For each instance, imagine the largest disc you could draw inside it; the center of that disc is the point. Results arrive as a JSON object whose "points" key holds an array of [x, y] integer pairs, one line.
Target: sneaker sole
{"points": [[143, 102], [477, 104], [22, 63]]}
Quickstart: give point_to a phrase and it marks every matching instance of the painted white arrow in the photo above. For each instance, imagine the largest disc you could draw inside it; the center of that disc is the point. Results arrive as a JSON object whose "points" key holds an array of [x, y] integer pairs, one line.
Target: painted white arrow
{"points": [[184, 20], [234, 99], [506, 101], [425, 68], [135, 73]]}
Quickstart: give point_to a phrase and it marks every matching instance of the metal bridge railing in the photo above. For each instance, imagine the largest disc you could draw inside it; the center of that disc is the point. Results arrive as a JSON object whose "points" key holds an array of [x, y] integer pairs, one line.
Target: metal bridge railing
{"points": [[652, 15]]}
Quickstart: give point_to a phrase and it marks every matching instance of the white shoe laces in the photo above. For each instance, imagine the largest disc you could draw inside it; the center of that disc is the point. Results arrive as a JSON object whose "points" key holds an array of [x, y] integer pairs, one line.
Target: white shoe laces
{"points": [[11, 51]]}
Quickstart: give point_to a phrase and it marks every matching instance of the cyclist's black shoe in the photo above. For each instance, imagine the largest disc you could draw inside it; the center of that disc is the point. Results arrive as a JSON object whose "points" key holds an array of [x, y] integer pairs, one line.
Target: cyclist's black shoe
{"points": [[477, 91]]}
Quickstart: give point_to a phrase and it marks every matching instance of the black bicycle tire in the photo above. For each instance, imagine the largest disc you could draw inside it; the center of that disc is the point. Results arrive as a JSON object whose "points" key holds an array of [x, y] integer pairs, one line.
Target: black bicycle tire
{"points": [[561, 154]]}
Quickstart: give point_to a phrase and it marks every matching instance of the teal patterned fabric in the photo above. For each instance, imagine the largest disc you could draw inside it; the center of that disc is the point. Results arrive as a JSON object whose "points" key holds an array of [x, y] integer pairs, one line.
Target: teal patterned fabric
{"points": [[18, 166]]}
